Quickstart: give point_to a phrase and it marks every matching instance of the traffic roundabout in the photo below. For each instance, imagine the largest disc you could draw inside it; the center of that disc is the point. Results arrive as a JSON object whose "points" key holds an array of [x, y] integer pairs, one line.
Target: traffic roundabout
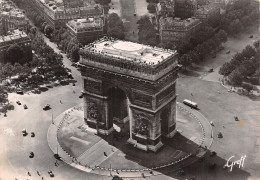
{"points": [[84, 149]]}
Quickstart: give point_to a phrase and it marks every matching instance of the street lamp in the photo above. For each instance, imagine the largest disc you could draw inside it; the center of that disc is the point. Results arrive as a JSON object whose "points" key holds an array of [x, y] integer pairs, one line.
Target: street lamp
{"points": [[52, 117], [110, 171]]}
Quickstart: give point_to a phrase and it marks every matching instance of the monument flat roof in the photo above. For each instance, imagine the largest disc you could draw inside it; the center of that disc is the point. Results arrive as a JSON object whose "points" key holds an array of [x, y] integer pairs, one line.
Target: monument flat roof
{"points": [[130, 51]]}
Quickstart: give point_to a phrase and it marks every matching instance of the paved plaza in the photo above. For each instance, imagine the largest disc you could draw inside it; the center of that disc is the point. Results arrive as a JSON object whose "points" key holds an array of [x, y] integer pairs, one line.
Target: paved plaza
{"points": [[82, 148]]}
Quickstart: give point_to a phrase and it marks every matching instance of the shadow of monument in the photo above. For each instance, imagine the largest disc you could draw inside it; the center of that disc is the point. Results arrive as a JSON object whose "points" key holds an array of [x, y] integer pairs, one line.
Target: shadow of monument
{"points": [[209, 166]]}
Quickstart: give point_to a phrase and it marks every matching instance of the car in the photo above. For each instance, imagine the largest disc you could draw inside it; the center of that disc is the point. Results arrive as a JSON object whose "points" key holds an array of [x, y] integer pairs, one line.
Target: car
{"points": [[50, 173], [19, 92], [81, 95], [220, 135], [46, 107], [31, 155], [236, 118], [211, 70], [227, 52], [25, 106], [32, 134], [24, 132], [57, 156], [18, 102], [251, 36], [70, 75]]}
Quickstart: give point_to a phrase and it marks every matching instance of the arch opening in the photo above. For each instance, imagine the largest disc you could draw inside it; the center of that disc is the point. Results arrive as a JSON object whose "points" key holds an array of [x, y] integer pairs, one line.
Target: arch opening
{"points": [[164, 116], [118, 109]]}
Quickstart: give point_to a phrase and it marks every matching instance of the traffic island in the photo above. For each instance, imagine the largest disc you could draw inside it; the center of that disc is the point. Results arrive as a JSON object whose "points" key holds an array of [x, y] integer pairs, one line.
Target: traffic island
{"points": [[85, 149]]}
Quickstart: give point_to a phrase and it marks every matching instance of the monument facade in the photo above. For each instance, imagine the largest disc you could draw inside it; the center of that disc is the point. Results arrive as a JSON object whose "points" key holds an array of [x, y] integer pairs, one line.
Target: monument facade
{"points": [[131, 83]]}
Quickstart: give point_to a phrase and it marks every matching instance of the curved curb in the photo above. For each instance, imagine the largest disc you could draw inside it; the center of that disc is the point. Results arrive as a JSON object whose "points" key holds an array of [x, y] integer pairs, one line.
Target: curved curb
{"points": [[147, 171]]}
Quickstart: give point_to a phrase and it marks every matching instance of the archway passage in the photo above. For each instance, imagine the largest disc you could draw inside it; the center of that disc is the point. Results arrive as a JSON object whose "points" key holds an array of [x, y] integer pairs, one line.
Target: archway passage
{"points": [[117, 106], [165, 114]]}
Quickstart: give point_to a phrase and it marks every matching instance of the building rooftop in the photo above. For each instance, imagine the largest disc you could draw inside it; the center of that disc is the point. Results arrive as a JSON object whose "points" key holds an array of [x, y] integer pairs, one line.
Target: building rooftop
{"points": [[186, 1], [207, 8], [59, 6], [17, 34], [7, 8], [85, 24], [165, 5], [129, 51], [170, 22]]}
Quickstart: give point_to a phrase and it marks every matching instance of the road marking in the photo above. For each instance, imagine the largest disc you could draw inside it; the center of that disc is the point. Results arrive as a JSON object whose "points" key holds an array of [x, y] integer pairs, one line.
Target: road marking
{"points": [[176, 154], [80, 140], [192, 139], [180, 130], [182, 120]]}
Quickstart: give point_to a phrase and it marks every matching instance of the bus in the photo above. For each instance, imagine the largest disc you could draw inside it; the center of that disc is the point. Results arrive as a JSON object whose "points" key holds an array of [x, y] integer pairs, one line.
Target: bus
{"points": [[190, 103]]}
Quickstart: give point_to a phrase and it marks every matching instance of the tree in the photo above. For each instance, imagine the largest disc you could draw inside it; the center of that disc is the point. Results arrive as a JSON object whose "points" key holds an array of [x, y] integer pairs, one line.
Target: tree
{"points": [[3, 95], [235, 27], [48, 30], [222, 36], [15, 54], [103, 2], [247, 86], [185, 60], [194, 57], [34, 80], [18, 68], [248, 52], [75, 54], [116, 32], [115, 27], [43, 25], [226, 69], [235, 78], [147, 32], [151, 8], [257, 44]]}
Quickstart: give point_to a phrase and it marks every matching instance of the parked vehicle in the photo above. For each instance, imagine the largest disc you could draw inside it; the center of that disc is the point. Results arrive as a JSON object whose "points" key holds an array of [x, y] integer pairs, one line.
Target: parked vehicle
{"points": [[81, 95], [50, 173], [31, 155], [211, 70], [18, 102], [57, 156], [190, 103], [25, 106], [19, 92], [70, 75], [220, 135], [46, 107], [32, 134], [24, 132]]}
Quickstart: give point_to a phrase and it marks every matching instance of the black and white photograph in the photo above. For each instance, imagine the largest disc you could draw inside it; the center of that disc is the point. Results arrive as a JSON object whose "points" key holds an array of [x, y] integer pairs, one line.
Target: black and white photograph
{"points": [[129, 89]]}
